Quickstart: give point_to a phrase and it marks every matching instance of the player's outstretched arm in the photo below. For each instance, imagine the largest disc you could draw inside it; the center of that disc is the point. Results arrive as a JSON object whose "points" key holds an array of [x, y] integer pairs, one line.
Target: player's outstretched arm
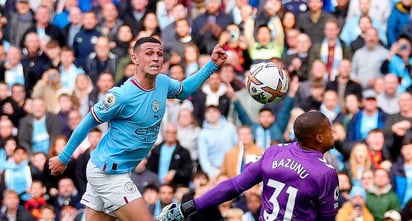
{"points": [[57, 164]]}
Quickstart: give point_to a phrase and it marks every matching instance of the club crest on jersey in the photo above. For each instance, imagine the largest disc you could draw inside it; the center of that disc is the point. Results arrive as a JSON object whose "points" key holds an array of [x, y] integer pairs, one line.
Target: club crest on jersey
{"points": [[109, 100], [155, 106], [129, 187]]}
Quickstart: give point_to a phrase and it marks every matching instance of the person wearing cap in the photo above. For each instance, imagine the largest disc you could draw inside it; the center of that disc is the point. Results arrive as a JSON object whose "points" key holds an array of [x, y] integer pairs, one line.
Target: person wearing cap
{"points": [[355, 208], [380, 197], [392, 215], [368, 118], [400, 168]]}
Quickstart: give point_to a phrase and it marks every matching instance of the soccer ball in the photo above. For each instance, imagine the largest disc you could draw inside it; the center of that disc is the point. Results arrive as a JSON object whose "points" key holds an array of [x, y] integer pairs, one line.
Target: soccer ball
{"points": [[267, 83]]}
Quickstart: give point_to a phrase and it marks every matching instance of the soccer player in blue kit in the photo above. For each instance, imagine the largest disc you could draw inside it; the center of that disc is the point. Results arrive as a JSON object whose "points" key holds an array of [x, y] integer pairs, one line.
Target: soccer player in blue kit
{"points": [[134, 112], [298, 183]]}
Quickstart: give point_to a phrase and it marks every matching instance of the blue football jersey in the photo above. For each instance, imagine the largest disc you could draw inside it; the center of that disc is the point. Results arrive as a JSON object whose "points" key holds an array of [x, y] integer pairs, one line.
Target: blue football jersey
{"points": [[134, 115]]}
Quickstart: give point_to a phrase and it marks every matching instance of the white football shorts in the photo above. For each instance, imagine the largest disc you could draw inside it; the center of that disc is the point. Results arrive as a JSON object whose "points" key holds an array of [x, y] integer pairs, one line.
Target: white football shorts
{"points": [[108, 192]]}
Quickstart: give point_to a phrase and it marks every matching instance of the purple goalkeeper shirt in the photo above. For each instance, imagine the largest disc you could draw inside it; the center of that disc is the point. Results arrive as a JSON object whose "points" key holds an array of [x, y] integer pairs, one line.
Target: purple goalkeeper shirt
{"points": [[298, 184]]}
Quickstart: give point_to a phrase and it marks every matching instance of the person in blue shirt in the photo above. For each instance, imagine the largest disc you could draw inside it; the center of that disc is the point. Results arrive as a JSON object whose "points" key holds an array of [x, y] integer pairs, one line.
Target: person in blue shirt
{"points": [[134, 112]]}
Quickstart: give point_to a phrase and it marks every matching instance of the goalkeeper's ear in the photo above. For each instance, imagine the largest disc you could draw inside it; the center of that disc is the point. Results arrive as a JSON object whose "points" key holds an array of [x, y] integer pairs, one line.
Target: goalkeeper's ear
{"points": [[188, 208]]}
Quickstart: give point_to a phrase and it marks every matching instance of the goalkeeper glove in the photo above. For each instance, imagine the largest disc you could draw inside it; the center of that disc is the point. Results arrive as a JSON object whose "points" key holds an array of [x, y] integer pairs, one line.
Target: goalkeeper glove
{"points": [[177, 212]]}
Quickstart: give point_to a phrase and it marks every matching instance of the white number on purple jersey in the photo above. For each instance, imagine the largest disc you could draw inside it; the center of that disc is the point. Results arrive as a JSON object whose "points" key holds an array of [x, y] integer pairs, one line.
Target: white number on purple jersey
{"points": [[291, 191]]}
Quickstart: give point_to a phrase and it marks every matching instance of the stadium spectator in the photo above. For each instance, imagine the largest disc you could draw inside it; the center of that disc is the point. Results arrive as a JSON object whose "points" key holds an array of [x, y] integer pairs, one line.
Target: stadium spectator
{"points": [[12, 208], [376, 9], [149, 25], [376, 147], [101, 60], [170, 160], [11, 69], [330, 105], [191, 55], [358, 162], [65, 104], [263, 47], [61, 19], [36, 200], [67, 195], [356, 207], [49, 88], [165, 13], [398, 61], [83, 88], [351, 107], [180, 39], [124, 37], [340, 11], [367, 60], [397, 125], [367, 118], [399, 176], [37, 130], [388, 99], [380, 197], [207, 27], [188, 132], [34, 60], [179, 12], [367, 179], [37, 161], [342, 84], [291, 42], [398, 18], [365, 22], [133, 17], [74, 26], [313, 21], [143, 177], [317, 77], [53, 52], [244, 152], [216, 137], [298, 63], [331, 50], [43, 27], [110, 22], [166, 196], [68, 70], [213, 92], [18, 176], [19, 21], [84, 40], [345, 186]]}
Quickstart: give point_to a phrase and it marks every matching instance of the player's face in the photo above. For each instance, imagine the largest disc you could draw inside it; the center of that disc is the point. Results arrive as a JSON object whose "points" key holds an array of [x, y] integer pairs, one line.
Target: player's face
{"points": [[149, 58], [328, 139]]}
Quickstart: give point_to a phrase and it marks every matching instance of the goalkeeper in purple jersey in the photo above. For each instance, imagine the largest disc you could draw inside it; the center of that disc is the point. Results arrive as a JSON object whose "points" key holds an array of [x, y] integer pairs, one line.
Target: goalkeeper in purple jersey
{"points": [[298, 183]]}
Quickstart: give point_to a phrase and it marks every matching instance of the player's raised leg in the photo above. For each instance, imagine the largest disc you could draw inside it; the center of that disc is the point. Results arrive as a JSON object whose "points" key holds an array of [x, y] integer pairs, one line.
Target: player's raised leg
{"points": [[134, 211], [92, 214]]}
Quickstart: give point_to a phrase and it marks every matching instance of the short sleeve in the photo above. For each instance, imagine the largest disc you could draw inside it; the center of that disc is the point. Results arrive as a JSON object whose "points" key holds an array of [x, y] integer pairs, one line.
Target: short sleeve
{"points": [[108, 108]]}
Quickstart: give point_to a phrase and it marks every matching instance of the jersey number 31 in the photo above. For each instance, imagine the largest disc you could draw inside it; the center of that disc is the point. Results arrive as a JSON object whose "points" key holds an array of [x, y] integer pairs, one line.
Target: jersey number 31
{"points": [[290, 205]]}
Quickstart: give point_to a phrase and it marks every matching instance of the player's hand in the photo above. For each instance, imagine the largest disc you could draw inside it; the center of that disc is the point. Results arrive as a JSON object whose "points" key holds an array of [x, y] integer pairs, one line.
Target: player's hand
{"points": [[56, 166], [171, 212], [218, 55]]}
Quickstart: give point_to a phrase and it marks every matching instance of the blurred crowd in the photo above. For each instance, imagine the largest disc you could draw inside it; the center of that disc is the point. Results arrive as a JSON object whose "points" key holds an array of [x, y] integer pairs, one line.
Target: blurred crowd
{"points": [[349, 59]]}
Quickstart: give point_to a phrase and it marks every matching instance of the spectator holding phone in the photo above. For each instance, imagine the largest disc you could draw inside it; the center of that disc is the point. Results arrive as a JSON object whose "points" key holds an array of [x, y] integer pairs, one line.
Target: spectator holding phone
{"points": [[399, 62], [355, 209]]}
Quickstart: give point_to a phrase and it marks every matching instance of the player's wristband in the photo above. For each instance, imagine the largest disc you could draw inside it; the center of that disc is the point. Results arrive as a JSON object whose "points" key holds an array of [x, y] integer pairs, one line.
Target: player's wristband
{"points": [[188, 208]]}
